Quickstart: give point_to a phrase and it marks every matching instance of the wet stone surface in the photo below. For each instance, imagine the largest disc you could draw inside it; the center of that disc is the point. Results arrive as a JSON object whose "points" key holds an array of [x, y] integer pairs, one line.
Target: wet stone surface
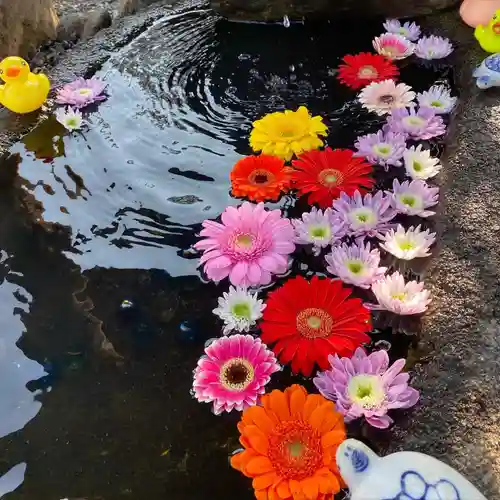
{"points": [[104, 298]]}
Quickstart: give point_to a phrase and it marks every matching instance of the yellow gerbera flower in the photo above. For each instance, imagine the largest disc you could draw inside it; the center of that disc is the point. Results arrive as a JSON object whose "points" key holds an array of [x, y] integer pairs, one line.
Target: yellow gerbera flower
{"points": [[284, 134]]}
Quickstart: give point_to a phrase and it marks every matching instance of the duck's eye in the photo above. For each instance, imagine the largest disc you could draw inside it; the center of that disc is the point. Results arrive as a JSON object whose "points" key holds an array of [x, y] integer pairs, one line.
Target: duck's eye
{"points": [[23, 64], [1, 71]]}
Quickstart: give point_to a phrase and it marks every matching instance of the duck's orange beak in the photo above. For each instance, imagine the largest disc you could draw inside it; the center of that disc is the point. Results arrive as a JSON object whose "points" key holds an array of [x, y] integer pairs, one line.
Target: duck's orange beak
{"points": [[496, 28], [13, 71]]}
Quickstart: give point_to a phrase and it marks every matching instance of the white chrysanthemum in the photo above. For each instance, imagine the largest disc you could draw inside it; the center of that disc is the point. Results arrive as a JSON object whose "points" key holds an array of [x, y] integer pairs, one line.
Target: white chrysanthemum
{"points": [[409, 30], [239, 309], [438, 98], [396, 296], [70, 119], [408, 244], [382, 97], [419, 163]]}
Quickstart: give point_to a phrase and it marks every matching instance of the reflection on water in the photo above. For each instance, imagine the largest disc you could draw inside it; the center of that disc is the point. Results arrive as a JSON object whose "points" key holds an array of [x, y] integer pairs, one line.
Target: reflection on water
{"points": [[132, 190]]}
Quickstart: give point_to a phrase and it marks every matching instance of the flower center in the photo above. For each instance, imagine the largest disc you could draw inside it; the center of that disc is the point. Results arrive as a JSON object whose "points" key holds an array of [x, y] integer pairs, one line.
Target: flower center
{"points": [[404, 32], [366, 390], [330, 177], [85, 91], [367, 72], [387, 99], [72, 122], [391, 50], [244, 241], [417, 166], [436, 104], [409, 200], [241, 310], [399, 296], [407, 245], [355, 266], [362, 216], [414, 121], [320, 232], [260, 177], [383, 149], [236, 374], [295, 450], [313, 323]]}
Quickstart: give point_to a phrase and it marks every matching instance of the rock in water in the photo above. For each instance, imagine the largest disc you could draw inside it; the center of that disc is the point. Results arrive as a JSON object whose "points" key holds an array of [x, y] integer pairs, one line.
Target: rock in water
{"points": [[96, 21], [405, 475], [259, 10]]}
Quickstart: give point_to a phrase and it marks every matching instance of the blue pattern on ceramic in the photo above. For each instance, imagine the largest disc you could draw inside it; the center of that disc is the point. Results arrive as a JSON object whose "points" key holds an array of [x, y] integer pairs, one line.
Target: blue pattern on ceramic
{"points": [[493, 62], [359, 459], [488, 73], [415, 487]]}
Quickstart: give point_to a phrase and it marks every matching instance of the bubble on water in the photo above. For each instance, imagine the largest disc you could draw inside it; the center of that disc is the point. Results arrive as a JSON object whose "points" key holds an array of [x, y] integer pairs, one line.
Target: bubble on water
{"points": [[292, 68], [126, 305], [383, 345], [209, 342], [286, 21]]}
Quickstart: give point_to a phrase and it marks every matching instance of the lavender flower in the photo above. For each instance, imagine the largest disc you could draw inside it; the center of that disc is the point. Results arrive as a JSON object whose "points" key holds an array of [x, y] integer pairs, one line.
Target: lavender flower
{"points": [[438, 98], [384, 148], [318, 228], [81, 92], [398, 297], [411, 31], [365, 386], [355, 264], [413, 197], [408, 244], [367, 215], [433, 47], [421, 124]]}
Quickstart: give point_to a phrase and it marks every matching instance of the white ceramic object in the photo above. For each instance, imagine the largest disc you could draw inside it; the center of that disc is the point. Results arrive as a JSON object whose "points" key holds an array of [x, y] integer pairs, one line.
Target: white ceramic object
{"points": [[406, 475], [488, 74]]}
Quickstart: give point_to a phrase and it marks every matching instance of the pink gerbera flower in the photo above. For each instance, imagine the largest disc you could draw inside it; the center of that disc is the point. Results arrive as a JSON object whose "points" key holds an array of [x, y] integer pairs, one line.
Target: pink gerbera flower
{"points": [[393, 46], [234, 373], [81, 92], [248, 246], [365, 386]]}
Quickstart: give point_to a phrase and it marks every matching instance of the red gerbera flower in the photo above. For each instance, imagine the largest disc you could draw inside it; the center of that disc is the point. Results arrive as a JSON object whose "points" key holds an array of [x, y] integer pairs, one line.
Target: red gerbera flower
{"points": [[308, 321], [362, 69], [325, 174]]}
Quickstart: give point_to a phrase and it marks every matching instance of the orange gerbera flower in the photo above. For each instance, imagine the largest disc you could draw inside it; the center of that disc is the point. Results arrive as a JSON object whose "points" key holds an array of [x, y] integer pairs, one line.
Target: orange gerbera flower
{"points": [[290, 445], [260, 178]]}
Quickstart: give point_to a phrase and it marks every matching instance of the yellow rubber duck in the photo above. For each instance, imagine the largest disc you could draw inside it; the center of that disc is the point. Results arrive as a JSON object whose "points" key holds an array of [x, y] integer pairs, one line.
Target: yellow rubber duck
{"points": [[23, 91], [489, 36]]}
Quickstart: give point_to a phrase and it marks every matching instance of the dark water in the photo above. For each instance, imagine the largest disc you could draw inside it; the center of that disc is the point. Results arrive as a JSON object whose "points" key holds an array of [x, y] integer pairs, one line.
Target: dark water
{"points": [[95, 397]]}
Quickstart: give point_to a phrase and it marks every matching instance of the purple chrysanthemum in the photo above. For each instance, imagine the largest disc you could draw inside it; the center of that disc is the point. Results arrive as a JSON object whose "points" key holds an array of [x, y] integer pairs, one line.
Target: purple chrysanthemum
{"points": [[318, 228], [384, 148], [368, 215], [409, 30], [81, 92], [421, 124], [365, 386], [433, 47], [355, 264], [413, 197]]}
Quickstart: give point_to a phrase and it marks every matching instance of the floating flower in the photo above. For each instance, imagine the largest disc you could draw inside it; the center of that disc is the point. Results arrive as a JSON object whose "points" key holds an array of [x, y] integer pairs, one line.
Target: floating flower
{"points": [[325, 174], [248, 246], [239, 309], [396, 296], [308, 320], [361, 69], [318, 228], [413, 197], [287, 133], [438, 98], [393, 46], [81, 92], [433, 47], [233, 373], [290, 444], [384, 148], [355, 264], [260, 178], [419, 164], [365, 216], [409, 30], [419, 125], [383, 97], [365, 386], [408, 244], [70, 119]]}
